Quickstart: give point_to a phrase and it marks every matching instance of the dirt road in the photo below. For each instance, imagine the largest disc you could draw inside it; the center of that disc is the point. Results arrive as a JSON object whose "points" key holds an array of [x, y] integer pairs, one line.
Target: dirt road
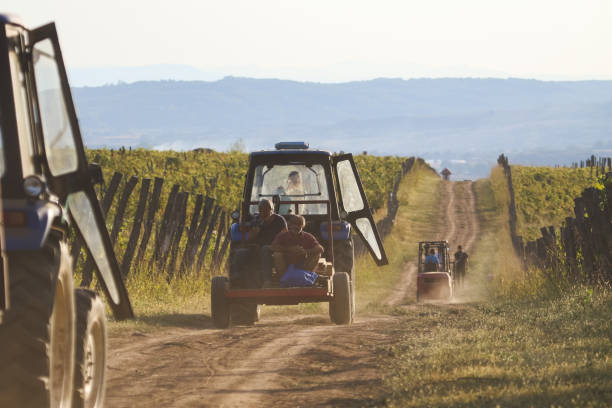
{"points": [[282, 361]]}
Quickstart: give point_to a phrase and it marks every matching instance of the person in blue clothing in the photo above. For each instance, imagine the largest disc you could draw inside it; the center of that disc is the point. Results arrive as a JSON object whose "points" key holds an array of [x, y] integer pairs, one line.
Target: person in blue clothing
{"points": [[432, 263], [251, 265]]}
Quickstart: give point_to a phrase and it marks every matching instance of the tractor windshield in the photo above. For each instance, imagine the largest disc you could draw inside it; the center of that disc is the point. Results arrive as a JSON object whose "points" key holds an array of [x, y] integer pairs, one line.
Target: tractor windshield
{"points": [[292, 182], [57, 132]]}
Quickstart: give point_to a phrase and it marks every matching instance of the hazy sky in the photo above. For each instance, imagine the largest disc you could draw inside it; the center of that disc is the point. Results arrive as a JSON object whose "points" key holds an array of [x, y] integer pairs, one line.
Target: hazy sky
{"points": [[337, 40]]}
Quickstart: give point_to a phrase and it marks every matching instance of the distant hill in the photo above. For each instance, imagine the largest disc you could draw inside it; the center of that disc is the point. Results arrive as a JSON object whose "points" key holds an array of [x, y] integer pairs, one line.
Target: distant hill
{"points": [[465, 120]]}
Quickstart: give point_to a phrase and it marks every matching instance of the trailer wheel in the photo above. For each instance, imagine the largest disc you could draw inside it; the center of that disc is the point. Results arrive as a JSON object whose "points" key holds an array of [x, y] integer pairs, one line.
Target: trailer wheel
{"points": [[90, 350], [244, 313], [340, 307], [37, 332], [219, 306], [344, 260]]}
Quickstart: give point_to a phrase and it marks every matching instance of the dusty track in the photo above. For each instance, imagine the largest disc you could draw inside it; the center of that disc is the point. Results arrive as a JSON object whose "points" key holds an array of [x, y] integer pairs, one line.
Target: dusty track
{"points": [[459, 226], [282, 361]]}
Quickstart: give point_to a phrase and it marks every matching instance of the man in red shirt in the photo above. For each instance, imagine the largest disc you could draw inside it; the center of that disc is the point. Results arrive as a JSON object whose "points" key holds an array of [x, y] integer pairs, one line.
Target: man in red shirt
{"points": [[295, 246]]}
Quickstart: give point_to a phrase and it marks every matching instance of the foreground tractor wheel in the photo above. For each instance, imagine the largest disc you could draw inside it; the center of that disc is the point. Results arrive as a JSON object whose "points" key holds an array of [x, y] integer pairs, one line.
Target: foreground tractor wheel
{"points": [[245, 313], [219, 306], [90, 353], [37, 333], [340, 307]]}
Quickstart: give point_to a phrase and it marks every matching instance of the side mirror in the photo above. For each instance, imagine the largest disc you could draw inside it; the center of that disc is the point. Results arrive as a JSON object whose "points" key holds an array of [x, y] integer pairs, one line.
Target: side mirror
{"points": [[95, 173]]}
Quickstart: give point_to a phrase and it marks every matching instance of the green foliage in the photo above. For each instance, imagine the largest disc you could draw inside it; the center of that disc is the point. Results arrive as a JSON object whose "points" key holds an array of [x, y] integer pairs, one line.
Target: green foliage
{"points": [[212, 174], [545, 195], [378, 173], [221, 175], [216, 175]]}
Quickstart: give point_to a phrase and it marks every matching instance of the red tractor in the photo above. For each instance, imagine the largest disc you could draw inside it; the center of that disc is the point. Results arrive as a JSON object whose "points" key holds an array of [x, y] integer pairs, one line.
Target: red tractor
{"points": [[434, 277]]}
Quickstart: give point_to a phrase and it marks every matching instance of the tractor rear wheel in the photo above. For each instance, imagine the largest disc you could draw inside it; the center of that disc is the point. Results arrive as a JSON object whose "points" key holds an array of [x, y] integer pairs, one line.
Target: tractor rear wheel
{"points": [[90, 350], [340, 307], [219, 306], [37, 334]]}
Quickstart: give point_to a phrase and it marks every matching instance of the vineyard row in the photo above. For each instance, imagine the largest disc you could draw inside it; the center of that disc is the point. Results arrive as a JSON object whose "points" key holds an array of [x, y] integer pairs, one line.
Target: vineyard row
{"points": [[173, 232]]}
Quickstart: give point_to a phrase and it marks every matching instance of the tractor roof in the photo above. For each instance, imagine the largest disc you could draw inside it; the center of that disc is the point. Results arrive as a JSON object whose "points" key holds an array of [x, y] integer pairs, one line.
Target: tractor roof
{"points": [[296, 149]]}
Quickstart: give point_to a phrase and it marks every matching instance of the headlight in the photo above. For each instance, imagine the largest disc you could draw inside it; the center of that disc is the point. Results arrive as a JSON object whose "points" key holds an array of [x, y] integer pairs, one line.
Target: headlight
{"points": [[33, 186]]}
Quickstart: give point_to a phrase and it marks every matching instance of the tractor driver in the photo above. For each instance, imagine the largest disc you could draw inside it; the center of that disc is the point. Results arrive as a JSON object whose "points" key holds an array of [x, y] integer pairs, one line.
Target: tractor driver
{"points": [[293, 188], [296, 247], [432, 263], [294, 183]]}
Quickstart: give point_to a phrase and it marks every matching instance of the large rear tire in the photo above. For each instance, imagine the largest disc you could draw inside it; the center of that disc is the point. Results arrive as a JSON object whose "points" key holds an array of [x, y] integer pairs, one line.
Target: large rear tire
{"points": [[37, 334], [340, 307], [89, 380], [219, 306]]}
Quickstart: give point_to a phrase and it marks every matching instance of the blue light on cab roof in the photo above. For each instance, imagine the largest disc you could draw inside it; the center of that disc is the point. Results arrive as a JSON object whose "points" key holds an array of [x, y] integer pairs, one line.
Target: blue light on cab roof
{"points": [[291, 145]]}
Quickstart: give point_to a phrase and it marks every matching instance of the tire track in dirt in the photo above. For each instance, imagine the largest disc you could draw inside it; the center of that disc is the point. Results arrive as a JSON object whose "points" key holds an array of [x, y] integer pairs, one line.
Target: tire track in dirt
{"points": [[245, 366], [450, 214], [462, 216], [282, 361]]}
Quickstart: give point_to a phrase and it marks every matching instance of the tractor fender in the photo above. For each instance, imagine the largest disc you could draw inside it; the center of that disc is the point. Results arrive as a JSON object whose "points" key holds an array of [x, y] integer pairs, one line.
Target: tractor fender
{"points": [[28, 222]]}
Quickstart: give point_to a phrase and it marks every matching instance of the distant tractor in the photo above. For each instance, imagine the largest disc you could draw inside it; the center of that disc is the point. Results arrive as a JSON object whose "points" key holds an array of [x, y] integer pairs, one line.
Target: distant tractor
{"points": [[335, 207], [52, 336], [434, 279]]}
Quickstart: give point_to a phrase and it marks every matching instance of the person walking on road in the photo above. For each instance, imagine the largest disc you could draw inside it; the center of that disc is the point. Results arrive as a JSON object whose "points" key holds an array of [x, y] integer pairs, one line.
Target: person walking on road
{"points": [[461, 264]]}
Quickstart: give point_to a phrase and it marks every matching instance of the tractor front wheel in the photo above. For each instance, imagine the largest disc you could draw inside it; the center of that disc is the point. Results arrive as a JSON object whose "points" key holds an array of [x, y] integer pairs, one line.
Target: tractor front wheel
{"points": [[90, 350], [340, 306]]}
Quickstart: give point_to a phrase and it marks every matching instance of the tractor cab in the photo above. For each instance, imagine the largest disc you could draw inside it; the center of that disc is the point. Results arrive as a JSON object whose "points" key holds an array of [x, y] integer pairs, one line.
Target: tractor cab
{"points": [[43, 165], [293, 176], [441, 250], [326, 190]]}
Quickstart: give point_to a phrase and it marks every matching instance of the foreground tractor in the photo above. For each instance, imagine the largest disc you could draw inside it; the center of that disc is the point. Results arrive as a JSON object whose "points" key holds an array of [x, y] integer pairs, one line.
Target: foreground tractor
{"points": [[334, 205], [52, 336], [434, 281]]}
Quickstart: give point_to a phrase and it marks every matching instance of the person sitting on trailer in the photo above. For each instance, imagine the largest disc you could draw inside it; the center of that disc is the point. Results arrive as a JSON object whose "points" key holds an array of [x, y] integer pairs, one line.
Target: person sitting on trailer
{"points": [[432, 263], [296, 247], [266, 226]]}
